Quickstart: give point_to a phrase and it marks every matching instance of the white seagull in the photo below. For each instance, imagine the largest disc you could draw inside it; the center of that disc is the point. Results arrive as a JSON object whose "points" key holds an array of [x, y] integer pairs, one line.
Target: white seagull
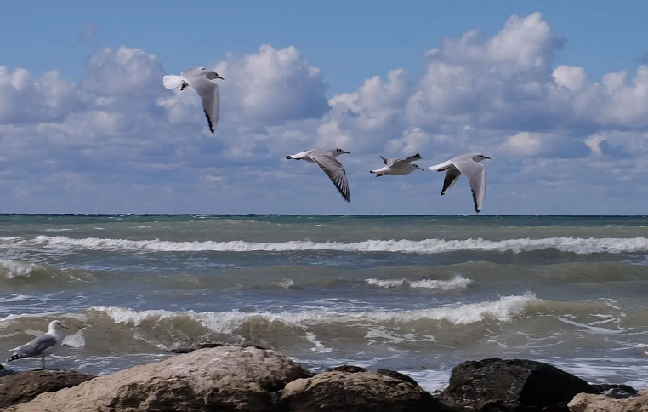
{"points": [[469, 165], [397, 166], [326, 159], [43, 345], [201, 80]]}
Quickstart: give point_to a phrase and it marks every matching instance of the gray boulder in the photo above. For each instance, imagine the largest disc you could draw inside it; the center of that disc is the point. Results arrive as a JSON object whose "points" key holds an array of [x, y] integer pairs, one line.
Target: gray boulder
{"points": [[227, 378]]}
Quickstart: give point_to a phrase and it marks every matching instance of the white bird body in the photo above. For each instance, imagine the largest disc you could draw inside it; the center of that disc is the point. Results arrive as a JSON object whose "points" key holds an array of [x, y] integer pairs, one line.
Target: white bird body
{"points": [[43, 345], [397, 167], [468, 164], [326, 159], [200, 79]]}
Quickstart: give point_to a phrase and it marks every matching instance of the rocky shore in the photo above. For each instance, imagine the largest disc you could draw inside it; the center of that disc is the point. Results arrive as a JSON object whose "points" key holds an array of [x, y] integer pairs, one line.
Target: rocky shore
{"points": [[249, 378]]}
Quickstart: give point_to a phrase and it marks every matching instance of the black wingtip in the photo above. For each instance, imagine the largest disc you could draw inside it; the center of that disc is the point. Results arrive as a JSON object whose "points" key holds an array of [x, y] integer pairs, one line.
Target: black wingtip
{"points": [[209, 121], [288, 157], [372, 172]]}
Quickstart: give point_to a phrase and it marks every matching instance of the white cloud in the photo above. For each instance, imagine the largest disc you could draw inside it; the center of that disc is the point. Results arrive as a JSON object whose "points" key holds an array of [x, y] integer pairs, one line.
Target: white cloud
{"points": [[524, 143]]}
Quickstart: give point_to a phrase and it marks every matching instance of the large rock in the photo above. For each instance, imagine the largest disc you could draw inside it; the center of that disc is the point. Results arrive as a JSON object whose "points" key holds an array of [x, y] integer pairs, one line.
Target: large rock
{"points": [[339, 391], [25, 386], [225, 378], [511, 385], [585, 402]]}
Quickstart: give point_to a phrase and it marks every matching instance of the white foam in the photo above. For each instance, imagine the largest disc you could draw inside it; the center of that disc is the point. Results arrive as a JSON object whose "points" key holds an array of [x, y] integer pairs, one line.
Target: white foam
{"points": [[16, 268], [427, 246], [17, 298], [76, 340], [458, 282], [505, 309], [318, 346]]}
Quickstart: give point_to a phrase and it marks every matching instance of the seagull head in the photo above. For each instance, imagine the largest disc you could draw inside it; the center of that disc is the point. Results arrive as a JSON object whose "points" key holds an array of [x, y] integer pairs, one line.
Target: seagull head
{"points": [[337, 151], [214, 75], [56, 325], [479, 157], [415, 166]]}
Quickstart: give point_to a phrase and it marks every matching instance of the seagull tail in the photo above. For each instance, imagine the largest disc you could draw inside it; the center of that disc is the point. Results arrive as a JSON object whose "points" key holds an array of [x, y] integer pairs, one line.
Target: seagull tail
{"points": [[172, 82]]}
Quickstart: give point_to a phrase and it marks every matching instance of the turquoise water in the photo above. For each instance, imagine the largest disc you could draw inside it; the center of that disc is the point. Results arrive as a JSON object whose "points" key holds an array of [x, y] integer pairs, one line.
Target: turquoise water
{"points": [[417, 294]]}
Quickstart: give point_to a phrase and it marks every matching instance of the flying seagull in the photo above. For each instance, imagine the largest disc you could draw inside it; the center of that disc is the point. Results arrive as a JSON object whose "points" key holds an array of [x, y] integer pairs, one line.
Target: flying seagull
{"points": [[326, 159], [397, 166], [43, 345], [469, 165], [201, 80]]}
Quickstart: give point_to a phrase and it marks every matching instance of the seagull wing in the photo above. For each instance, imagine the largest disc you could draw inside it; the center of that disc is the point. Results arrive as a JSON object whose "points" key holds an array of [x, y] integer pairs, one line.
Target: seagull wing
{"points": [[410, 159], [451, 177], [35, 348], [442, 166], [407, 160], [477, 178], [209, 93], [388, 160], [335, 171], [194, 71]]}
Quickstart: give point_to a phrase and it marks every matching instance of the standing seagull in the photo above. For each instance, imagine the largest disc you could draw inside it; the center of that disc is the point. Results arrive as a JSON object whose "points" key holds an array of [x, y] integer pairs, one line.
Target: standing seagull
{"points": [[397, 166], [326, 159], [469, 165], [43, 345], [201, 80]]}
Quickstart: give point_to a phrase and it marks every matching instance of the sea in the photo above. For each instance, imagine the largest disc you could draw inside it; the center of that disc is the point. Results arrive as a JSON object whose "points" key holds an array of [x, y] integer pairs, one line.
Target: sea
{"points": [[416, 294]]}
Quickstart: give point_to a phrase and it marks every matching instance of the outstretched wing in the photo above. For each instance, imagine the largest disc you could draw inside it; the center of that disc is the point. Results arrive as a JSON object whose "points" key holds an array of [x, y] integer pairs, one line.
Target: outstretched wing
{"points": [[451, 177], [209, 93], [477, 177], [441, 166], [388, 160], [403, 162], [335, 171]]}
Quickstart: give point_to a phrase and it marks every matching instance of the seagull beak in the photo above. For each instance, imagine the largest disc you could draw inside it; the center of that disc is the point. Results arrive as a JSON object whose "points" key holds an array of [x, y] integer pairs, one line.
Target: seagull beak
{"points": [[222, 78], [486, 157], [346, 152]]}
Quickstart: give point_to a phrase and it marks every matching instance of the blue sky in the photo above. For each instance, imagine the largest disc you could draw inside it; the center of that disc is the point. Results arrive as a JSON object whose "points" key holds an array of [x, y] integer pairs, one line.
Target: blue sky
{"points": [[86, 127]]}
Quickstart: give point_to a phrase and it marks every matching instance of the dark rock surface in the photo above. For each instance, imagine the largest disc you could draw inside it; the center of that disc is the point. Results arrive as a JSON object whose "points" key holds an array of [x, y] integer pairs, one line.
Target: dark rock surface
{"points": [[25, 386], [348, 369], [203, 345], [338, 391], [397, 375], [616, 391], [512, 385]]}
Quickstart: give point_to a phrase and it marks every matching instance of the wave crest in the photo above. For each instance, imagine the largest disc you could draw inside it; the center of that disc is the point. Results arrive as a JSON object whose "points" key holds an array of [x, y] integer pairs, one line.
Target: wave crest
{"points": [[427, 246]]}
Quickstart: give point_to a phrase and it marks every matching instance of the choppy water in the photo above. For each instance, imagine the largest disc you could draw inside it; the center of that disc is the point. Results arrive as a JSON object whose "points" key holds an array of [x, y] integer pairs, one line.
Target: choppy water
{"points": [[418, 294]]}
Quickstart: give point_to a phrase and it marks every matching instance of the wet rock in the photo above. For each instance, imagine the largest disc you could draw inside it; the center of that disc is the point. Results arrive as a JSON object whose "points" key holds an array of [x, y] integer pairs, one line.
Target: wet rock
{"points": [[25, 386], [348, 369], [585, 402], [616, 391], [513, 385], [339, 391], [227, 378], [204, 345], [397, 375]]}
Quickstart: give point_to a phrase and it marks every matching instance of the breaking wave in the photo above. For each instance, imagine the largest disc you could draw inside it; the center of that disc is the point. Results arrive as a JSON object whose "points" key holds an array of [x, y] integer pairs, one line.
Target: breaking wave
{"points": [[457, 282], [428, 246]]}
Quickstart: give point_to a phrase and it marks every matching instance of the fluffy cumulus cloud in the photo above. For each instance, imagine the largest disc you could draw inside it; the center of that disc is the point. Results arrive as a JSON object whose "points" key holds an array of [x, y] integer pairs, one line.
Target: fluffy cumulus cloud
{"points": [[117, 141]]}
